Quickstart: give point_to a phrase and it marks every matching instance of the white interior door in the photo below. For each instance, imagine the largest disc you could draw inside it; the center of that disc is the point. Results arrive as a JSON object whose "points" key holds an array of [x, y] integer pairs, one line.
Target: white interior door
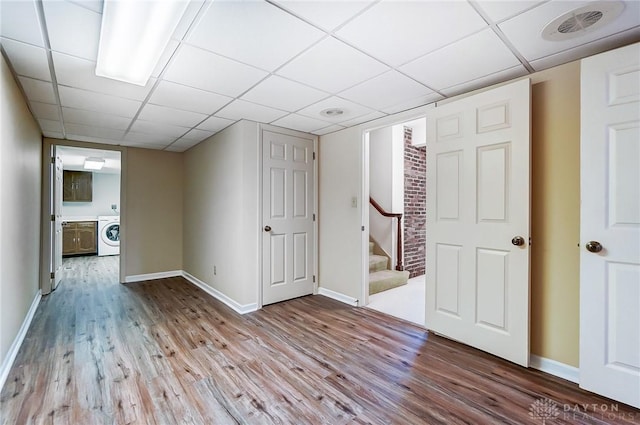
{"points": [[610, 221], [57, 208], [478, 188], [288, 214]]}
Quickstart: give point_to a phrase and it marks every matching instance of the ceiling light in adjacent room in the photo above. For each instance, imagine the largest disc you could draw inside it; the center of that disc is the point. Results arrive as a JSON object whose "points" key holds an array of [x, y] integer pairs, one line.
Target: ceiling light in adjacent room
{"points": [[134, 35], [93, 164]]}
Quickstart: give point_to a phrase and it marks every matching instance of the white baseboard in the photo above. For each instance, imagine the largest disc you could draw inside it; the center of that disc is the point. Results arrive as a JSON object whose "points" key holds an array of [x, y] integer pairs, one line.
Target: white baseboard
{"points": [[152, 276], [338, 296], [17, 342], [555, 368], [239, 308]]}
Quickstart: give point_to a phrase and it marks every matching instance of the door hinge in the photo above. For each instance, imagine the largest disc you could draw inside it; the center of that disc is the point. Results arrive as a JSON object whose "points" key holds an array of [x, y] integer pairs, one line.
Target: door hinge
{"points": [[53, 160], [314, 278], [53, 217], [363, 228], [53, 275], [314, 155], [314, 217]]}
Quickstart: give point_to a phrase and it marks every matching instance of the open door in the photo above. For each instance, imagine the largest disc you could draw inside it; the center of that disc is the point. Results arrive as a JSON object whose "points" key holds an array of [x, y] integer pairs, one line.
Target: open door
{"points": [[478, 185], [57, 223]]}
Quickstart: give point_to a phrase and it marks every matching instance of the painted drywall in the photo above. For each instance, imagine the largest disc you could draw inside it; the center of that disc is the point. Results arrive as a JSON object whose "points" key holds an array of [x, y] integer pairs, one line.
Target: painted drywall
{"points": [[555, 210], [20, 186], [152, 226], [106, 191], [381, 228], [221, 212]]}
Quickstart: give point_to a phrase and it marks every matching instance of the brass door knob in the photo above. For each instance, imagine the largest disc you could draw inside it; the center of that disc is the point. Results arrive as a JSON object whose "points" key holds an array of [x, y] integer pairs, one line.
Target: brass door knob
{"points": [[517, 241], [267, 228], [593, 246]]}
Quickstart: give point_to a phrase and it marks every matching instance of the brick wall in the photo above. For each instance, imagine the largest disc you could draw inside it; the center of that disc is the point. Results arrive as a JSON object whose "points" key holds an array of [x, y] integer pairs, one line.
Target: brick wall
{"points": [[415, 208]]}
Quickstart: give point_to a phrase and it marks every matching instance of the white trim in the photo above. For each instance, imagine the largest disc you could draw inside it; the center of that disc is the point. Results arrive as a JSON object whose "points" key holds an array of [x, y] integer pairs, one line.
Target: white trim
{"points": [[17, 342], [338, 296], [239, 308], [555, 368], [152, 276]]}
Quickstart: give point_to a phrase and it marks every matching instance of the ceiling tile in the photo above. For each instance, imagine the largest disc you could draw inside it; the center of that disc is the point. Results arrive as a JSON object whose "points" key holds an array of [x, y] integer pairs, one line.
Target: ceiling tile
{"points": [[497, 10], [363, 118], [172, 45], [50, 125], [332, 66], [176, 148], [468, 59], [284, 94], [19, 21], [385, 90], [498, 77], [45, 111], [81, 73], [187, 19], [399, 31], [90, 118], [52, 134], [196, 134], [95, 5], [84, 130], [187, 98], [412, 103], [215, 124], [93, 139], [240, 109], [73, 29], [256, 33], [38, 91], [98, 102], [524, 31], [148, 139], [151, 127], [327, 130], [170, 115], [182, 145], [27, 60], [350, 110], [300, 123], [207, 71], [325, 14]]}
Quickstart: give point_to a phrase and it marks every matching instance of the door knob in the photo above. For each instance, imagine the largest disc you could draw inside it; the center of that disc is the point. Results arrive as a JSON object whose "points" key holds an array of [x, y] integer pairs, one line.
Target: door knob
{"points": [[517, 241], [593, 246], [267, 228]]}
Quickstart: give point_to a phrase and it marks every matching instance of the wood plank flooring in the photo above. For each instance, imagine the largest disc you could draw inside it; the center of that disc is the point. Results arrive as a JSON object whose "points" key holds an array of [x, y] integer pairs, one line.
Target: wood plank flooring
{"points": [[164, 352]]}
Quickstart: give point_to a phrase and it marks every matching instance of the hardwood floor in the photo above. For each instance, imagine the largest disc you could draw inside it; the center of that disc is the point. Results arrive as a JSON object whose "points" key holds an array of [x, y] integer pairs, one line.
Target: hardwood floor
{"points": [[164, 352]]}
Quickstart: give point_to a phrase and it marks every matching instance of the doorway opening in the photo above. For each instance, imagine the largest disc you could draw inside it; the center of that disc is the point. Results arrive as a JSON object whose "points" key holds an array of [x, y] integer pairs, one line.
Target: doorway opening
{"points": [[396, 179]]}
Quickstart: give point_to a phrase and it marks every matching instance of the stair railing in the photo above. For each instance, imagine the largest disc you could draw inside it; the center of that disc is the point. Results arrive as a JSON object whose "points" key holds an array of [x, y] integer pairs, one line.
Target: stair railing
{"points": [[398, 217]]}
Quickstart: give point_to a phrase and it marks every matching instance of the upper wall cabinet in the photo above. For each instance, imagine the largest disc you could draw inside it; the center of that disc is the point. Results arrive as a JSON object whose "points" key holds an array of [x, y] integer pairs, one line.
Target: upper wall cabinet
{"points": [[77, 186]]}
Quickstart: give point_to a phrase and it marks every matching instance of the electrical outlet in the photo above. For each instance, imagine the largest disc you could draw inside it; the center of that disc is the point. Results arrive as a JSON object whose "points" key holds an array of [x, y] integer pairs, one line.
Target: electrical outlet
{"points": [[215, 271], [354, 202]]}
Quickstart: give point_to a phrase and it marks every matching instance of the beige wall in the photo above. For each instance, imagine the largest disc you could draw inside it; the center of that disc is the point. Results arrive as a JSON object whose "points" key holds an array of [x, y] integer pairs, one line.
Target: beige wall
{"points": [[152, 226], [20, 156], [555, 211], [221, 223]]}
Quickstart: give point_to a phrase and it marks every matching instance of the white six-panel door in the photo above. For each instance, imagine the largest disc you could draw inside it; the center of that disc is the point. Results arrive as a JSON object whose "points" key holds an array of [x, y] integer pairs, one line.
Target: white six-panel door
{"points": [[478, 152], [57, 208], [288, 208], [610, 221]]}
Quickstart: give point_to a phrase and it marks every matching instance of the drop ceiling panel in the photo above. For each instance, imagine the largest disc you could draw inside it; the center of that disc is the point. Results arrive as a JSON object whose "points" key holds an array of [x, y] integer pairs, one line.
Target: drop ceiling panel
{"points": [[163, 129], [215, 124], [50, 125], [95, 5], [207, 71], [412, 103], [27, 60], [284, 94], [326, 14], [198, 135], [468, 59], [73, 29], [84, 130], [97, 119], [19, 21], [498, 77], [45, 111], [350, 110], [170, 115], [256, 33], [181, 145], [134, 138], [385, 90], [502, 9], [187, 98], [300, 123], [81, 73], [363, 118], [53, 134], [187, 19], [92, 139], [332, 66], [172, 45], [397, 32], [38, 91], [240, 109], [98, 102], [330, 129], [524, 31]]}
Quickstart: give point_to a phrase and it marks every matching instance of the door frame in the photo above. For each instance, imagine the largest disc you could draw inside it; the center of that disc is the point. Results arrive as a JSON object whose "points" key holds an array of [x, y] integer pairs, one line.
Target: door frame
{"points": [[260, 251], [46, 240]]}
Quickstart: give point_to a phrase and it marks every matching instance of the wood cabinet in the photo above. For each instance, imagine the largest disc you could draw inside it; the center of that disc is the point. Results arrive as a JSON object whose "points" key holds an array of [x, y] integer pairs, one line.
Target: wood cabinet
{"points": [[80, 237], [77, 186]]}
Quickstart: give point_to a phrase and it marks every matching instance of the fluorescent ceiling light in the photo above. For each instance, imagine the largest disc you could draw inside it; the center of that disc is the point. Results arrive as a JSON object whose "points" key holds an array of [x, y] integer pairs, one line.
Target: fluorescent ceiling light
{"points": [[93, 163], [133, 36]]}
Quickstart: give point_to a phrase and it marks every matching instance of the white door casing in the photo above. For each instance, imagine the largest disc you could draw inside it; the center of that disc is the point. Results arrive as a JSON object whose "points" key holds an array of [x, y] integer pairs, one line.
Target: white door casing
{"points": [[610, 215], [288, 241], [57, 208], [478, 186]]}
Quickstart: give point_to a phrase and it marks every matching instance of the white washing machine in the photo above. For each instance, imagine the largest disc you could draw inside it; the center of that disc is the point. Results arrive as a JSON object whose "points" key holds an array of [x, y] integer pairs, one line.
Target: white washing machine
{"points": [[109, 235]]}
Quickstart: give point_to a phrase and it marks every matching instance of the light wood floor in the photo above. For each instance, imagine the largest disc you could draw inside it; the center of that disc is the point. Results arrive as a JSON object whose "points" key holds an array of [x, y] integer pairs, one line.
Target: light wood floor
{"points": [[164, 352]]}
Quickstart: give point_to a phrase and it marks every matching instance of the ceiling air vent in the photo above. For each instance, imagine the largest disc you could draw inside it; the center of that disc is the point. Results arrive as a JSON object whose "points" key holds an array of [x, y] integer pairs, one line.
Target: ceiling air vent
{"points": [[583, 20]]}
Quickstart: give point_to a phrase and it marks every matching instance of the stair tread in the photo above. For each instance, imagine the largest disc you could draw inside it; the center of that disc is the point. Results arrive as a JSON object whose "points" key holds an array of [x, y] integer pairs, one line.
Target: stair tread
{"points": [[386, 274], [377, 262]]}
